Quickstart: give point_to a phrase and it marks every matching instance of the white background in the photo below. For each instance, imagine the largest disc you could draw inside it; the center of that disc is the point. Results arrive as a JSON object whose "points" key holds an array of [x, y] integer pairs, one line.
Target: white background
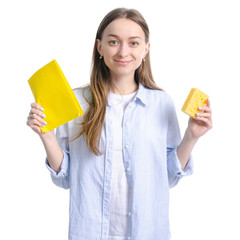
{"points": [[193, 44]]}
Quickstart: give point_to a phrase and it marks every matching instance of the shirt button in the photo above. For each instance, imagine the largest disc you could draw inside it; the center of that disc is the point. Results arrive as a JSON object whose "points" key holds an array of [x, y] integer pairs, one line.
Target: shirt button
{"points": [[128, 169], [129, 214], [126, 146], [129, 238]]}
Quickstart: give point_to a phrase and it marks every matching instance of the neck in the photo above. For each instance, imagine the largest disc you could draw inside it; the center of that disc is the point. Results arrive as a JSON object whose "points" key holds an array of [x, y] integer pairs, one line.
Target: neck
{"points": [[123, 85]]}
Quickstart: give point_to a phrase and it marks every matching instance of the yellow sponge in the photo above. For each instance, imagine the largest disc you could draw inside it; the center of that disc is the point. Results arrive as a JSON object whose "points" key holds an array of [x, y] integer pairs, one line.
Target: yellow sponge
{"points": [[195, 99]]}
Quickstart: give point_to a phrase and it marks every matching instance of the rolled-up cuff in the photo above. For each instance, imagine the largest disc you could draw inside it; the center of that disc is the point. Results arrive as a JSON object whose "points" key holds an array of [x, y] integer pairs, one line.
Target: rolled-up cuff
{"points": [[174, 165], [64, 167]]}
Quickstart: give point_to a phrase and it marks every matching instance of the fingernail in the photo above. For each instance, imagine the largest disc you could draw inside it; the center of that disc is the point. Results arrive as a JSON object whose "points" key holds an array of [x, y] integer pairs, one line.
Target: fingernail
{"points": [[41, 109], [43, 115], [197, 114], [208, 100], [200, 108], [45, 123], [197, 117]]}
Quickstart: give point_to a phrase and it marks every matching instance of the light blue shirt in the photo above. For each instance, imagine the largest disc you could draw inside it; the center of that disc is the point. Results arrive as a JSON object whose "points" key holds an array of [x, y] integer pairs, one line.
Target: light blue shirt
{"points": [[151, 136]]}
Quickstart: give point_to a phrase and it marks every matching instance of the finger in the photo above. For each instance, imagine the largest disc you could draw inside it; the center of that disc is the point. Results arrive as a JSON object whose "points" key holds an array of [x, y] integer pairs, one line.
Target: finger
{"points": [[40, 119], [37, 112], [207, 106], [35, 122], [36, 129], [204, 114], [205, 109], [37, 106], [32, 122], [208, 103], [207, 122]]}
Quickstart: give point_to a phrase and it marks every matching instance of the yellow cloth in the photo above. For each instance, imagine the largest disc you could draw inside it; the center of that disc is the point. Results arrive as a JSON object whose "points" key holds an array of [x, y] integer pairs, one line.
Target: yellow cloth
{"points": [[52, 91]]}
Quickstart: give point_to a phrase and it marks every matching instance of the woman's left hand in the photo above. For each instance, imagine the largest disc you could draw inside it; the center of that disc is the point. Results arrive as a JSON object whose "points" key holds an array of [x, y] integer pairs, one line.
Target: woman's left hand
{"points": [[203, 122]]}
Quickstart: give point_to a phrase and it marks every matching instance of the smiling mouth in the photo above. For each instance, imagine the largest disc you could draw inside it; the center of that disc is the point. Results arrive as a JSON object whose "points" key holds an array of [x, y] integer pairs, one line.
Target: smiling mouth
{"points": [[123, 63]]}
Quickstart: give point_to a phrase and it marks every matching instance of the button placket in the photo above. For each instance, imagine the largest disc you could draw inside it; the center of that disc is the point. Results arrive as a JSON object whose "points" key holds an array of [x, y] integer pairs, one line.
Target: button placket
{"points": [[125, 139], [126, 154], [107, 178]]}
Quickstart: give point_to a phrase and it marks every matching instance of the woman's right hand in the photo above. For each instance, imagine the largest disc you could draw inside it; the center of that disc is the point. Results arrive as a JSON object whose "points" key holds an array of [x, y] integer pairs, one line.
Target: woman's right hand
{"points": [[35, 118], [54, 152]]}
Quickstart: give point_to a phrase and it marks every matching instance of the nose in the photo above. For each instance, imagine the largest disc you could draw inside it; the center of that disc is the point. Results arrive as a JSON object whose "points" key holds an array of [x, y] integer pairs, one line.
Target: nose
{"points": [[123, 50]]}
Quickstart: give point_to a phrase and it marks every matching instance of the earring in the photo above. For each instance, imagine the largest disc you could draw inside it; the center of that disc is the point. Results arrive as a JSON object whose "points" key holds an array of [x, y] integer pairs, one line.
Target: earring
{"points": [[144, 59], [100, 57]]}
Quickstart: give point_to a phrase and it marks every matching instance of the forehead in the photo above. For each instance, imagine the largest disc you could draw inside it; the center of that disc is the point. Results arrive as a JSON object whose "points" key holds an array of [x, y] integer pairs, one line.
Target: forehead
{"points": [[123, 28]]}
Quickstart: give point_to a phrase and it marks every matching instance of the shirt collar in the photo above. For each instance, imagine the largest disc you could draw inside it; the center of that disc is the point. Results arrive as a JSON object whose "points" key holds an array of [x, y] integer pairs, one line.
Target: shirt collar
{"points": [[142, 94]]}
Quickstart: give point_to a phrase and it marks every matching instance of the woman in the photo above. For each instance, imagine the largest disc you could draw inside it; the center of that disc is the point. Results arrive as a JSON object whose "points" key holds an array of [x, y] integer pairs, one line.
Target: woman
{"points": [[121, 157]]}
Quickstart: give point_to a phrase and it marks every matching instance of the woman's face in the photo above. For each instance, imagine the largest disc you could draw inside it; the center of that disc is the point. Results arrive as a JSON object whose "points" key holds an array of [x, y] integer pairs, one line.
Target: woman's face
{"points": [[123, 47]]}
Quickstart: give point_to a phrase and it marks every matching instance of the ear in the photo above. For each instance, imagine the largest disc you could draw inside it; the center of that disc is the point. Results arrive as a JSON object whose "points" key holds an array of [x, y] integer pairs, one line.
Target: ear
{"points": [[99, 46], [147, 47]]}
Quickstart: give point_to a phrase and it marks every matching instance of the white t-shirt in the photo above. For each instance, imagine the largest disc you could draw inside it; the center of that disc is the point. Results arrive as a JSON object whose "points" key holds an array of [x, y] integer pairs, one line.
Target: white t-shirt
{"points": [[120, 190]]}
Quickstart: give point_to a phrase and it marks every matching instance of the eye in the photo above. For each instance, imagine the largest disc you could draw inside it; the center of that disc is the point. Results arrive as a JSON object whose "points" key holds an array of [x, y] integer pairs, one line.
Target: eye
{"points": [[134, 44], [113, 42]]}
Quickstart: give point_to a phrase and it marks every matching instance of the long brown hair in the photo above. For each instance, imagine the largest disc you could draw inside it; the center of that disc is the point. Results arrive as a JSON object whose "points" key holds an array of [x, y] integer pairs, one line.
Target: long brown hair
{"points": [[93, 122]]}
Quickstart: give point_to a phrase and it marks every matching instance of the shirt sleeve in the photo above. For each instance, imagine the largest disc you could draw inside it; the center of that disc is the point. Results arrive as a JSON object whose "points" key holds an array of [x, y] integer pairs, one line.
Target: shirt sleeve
{"points": [[175, 172], [61, 179]]}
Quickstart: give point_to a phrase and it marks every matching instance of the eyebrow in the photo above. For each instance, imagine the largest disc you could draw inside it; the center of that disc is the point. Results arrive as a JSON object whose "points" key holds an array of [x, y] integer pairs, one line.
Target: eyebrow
{"points": [[116, 36]]}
